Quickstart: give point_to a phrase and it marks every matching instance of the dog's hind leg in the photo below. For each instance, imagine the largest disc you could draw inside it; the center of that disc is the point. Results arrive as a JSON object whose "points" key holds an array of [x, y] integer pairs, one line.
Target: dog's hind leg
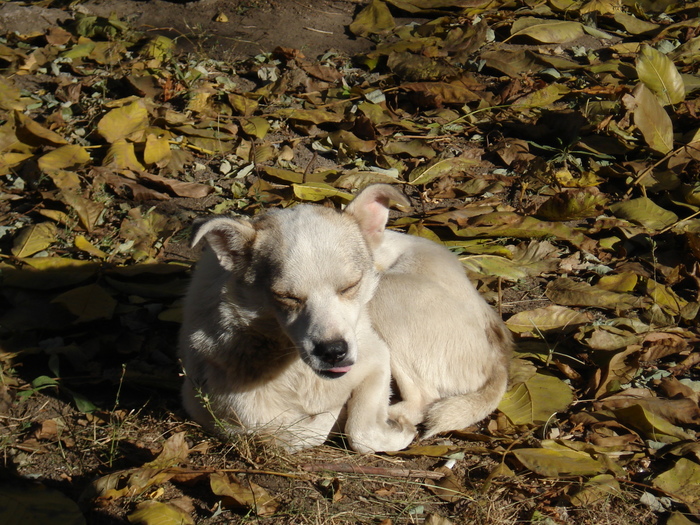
{"points": [[463, 410], [460, 411]]}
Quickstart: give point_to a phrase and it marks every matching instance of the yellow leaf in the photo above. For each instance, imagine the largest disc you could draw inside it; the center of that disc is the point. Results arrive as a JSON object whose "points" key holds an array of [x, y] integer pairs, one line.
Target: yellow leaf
{"points": [[64, 180], [63, 158], [553, 317], [651, 119], [567, 180], [35, 134], [650, 425], [597, 488], [536, 400], [157, 513], [243, 494], [10, 96], [603, 7], [175, 451], [121, 156], [84, 245], [556, 463], [660, 75], [547, 31], [33, 239], [58, 216], [373, 19], [437, 169], [124, 122], [157, 151], [11, 159], [88, 303], [542, 97], [256, 126], [88, 211], [317, 191], [243, 105], [619, 282], [160, 47]]}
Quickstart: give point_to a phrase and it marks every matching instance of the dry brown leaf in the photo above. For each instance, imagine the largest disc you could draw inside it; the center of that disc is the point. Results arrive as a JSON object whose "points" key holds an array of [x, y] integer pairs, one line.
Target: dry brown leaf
{"points": [[192, 190]]}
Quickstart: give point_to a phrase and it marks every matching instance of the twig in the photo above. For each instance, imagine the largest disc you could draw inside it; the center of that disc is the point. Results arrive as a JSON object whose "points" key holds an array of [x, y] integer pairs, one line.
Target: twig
{"points": [[319, 31], [373, 471], [308, 167], [648, 170]]}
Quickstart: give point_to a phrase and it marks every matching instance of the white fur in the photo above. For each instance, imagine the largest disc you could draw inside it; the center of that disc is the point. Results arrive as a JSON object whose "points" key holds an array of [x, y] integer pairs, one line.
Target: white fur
{"points": [[272, 298]]}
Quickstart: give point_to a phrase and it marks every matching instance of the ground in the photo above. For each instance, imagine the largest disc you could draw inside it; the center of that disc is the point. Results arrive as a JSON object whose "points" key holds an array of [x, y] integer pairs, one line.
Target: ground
{"points": [[545, 152]]}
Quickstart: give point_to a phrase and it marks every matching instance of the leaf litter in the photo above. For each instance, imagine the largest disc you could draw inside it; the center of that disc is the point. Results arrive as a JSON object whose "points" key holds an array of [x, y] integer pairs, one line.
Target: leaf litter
{"points": [[554, 146]]}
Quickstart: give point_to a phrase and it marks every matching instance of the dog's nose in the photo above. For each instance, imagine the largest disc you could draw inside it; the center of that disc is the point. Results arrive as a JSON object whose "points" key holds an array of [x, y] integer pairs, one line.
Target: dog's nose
{"points": [[331, 352]]}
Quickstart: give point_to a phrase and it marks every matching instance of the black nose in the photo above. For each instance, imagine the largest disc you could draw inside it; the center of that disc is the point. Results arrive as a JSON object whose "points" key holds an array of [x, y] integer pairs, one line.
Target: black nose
{"points": [[331, 352]]}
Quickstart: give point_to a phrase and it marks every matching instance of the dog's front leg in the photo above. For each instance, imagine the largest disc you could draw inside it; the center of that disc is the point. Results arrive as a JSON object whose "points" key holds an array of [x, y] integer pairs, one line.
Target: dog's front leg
{"points": [[368, 426]]}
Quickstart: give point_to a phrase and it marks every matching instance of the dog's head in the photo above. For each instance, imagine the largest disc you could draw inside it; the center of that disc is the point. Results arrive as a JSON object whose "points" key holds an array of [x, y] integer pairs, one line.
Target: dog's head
{"points": [[309, 267]]}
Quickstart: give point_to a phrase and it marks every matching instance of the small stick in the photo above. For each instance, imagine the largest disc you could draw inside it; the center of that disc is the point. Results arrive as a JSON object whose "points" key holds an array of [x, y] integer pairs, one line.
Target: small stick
{"points": [[373, 471], [319, 31]]}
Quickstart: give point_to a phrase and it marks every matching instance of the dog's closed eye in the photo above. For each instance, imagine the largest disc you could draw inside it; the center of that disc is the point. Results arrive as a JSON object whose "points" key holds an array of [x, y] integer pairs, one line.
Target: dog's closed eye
{"points": [[288, 301], [349, 291]]}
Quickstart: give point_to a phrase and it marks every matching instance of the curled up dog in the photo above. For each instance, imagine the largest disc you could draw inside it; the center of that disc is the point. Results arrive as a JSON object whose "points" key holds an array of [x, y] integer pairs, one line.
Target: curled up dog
{"points": [[299, 317]]}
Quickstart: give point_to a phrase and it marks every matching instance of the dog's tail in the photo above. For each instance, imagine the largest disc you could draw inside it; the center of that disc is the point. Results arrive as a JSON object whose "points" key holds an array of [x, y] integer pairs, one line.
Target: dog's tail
{"points": [[460, 411]]}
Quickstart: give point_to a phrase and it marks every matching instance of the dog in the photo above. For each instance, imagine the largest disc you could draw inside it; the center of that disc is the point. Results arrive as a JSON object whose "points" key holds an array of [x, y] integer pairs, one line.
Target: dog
{"points": [[300, 316]]}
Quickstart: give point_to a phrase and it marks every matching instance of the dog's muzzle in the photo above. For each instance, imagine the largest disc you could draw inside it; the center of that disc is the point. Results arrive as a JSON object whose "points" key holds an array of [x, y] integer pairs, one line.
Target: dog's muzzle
{"points": [[334, 356]]}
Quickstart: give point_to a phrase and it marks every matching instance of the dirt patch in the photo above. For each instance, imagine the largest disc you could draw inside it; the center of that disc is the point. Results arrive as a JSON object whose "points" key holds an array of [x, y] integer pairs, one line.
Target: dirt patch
{"points": [[220, 29]]}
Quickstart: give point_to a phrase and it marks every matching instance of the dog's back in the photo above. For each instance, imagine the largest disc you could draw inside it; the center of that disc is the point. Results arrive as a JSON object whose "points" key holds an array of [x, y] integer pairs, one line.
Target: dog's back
{"points": [[449, 349]]}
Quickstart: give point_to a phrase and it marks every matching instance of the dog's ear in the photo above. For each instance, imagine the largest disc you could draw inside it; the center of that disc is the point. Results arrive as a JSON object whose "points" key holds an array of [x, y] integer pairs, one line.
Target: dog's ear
{"points": [[371, 210], [229, 238]]}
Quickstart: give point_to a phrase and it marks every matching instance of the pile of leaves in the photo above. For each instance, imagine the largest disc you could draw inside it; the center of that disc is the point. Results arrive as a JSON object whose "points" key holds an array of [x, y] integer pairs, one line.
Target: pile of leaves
{"points": [[555, 146]]}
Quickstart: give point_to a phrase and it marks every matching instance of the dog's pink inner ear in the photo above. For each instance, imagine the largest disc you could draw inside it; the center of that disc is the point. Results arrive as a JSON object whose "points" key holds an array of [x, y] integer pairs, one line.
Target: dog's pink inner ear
{"points": [[228, 238], [371, 210]]}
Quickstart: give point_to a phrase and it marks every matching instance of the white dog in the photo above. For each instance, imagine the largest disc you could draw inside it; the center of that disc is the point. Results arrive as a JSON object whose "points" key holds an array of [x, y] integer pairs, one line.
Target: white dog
{"points": [[282, 326]]}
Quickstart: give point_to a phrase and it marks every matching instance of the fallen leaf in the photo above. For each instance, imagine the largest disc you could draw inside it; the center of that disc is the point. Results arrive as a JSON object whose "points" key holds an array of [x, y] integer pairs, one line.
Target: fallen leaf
{"points": [[536, 400], [682, 481], [89, 212], [645, 212], [157, 513], [156, 150], [546, 31], [82, 244], [439, 168], [175, 451], [567, 292], [317, 191], [88, 303], [193, 190], [550, 318], [559, 463], [65, 157], [245, 494], [33, 239], [596, 489], [127, 121], [34, 504], [660, 75], [373, 19], [651, 119], [121, 155]]}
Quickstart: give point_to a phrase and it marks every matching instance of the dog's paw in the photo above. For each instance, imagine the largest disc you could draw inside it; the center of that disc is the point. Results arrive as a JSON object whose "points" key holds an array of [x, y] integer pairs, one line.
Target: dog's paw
{"points": [[388, 435], [401, 433], [405, 412]]}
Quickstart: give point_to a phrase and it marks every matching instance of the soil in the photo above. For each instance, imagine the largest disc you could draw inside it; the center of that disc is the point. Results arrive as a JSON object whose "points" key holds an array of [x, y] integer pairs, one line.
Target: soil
{"points": [[220, 29]]}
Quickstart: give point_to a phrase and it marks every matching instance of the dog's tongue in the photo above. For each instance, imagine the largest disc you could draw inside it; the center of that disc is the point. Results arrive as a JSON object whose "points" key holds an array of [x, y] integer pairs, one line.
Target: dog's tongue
{"points": [[340, 369]]}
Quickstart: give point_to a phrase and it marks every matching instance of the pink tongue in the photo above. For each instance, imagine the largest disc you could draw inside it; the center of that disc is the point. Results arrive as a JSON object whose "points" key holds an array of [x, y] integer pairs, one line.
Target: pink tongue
{"points": [[340, 370]]}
